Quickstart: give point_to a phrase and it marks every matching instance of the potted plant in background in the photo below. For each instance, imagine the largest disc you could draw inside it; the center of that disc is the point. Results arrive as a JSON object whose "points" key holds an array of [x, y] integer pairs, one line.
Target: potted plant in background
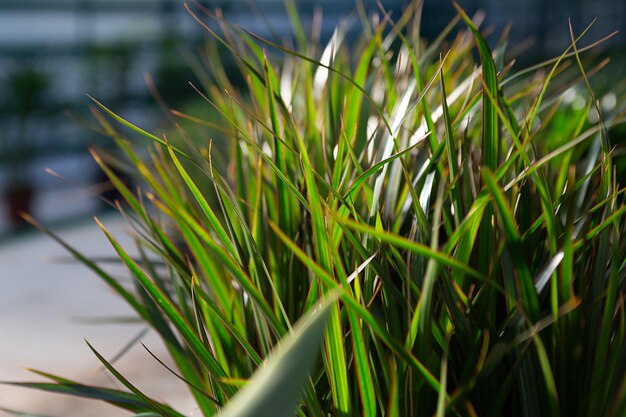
{"points": [[25, 91]]}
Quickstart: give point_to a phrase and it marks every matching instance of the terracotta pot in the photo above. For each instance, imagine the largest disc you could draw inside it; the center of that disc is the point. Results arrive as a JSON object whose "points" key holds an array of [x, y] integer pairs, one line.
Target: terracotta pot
{"points": [[19, 199]]}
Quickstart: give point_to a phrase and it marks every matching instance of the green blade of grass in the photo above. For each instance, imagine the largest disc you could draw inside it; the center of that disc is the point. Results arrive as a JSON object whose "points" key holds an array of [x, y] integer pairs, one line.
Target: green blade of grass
{"points": [[275, 389], [121, 399], [156, 407], [334, 340], [284, 199], [367, 317], [491, 136], [239, 274], [414, 247], [451, 153], [133, 127], [206, 208], [524, 278], [170, 310]]}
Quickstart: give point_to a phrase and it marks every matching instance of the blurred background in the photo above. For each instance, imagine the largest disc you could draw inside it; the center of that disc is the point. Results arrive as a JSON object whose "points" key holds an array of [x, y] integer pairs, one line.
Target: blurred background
{"points": [[55, 52]]}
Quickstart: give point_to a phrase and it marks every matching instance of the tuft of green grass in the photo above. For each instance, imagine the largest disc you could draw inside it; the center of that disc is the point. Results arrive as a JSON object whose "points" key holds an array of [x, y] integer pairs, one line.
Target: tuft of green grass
{"points": [[466, 214]]}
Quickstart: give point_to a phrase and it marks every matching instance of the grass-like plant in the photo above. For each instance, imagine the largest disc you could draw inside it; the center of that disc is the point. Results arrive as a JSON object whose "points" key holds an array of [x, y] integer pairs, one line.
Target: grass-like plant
{"points": [[466, 214]]}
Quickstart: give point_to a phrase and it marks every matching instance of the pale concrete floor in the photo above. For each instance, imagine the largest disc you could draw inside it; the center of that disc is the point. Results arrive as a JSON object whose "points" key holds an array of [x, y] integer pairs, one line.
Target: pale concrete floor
{"points": [[43, 307]]}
